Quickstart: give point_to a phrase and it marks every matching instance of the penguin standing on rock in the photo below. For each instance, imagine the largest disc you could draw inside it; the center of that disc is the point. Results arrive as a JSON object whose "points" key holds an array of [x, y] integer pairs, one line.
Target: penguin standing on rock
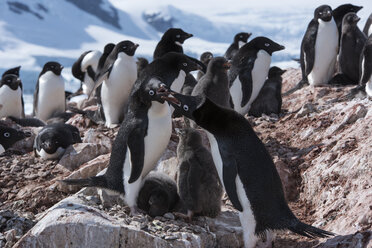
{"points": [[11, 97], [49, 96], [146, 130], [240, 40], [245, 168], [198, 183], [249, 70]]}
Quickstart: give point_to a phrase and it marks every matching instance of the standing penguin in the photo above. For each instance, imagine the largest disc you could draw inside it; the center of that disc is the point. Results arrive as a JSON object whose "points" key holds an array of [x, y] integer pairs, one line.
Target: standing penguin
{"points": [[118, 76], [245, 168], [351, 46], [366, 67], [240, 39], [198, 183], [11, 97], [85, 69], [9, 136], [204, 58], [146, 130], [49, 95], [249, 70], [339, 13], [269, 100], [171, 41], [367, 30]]}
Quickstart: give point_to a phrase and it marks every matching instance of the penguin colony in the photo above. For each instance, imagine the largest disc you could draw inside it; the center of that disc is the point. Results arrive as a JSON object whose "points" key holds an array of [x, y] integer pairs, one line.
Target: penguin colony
{"points": [[141, 97]]}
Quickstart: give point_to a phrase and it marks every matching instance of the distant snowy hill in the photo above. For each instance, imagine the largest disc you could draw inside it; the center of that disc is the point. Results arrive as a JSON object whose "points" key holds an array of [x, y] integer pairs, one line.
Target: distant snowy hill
{"points": [[33, 32]]}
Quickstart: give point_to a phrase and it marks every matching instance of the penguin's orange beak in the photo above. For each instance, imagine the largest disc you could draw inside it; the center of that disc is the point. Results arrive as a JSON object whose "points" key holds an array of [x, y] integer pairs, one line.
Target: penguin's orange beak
{"points": [[227, 65]]}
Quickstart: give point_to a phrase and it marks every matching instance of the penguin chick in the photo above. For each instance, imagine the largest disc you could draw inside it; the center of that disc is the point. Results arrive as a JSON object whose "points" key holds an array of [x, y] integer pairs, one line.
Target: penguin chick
{"points": [[204, 58]]}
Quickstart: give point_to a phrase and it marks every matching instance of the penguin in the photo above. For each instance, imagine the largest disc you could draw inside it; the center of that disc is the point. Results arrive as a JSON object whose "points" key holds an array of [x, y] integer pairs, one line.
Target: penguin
{"points": [[9, 136], [145, 131], [248, 72], [171, 41], [204, 58], [11, 96], [197, 179], [215, 83], [240, 39], [85, 69], [351, 46], [269, 100], [102, 60], [49, 95], [339, 13], [117, 78], [28, 122], [367, 30], [53, 139], [141, 64], [366, 67], [245, 168], [14, 71], [158, 194]]}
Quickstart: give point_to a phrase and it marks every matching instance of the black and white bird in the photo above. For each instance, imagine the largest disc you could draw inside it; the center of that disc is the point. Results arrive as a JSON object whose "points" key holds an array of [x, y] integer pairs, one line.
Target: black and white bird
{"points": [[11, 97], [9, 136], [240, 39], [171, 41]]}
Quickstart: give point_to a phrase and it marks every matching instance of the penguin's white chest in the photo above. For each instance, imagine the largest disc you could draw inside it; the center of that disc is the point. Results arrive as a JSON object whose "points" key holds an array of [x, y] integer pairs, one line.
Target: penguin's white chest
{"points": [[179, 81], [1, 149], [11, 100], [91, 59], [326, 46], [368, 87], [116, 89], [241, 43], [259, 74], [88, 84], [369, 31], [51, 97], [57, 154]]}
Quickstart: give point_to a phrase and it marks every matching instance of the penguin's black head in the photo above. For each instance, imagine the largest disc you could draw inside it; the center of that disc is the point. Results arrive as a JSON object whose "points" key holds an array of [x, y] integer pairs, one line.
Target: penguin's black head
{"points": [[342, 10], [126, 47], [176, 35], [14, 71], [243, 36], [49, 141], [350, 19], [323, 12], [158, 203], [263, 43], [52, 66], [152, 91], [218, 64], [108, 48], [189, 136], [275, 71], [9, 136], [206, 57], [12, 81], [76, 67]]}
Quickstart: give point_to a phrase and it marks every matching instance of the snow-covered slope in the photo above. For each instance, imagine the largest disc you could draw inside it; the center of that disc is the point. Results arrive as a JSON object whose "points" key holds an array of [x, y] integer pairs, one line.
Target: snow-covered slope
{"points": [[33, 32]]}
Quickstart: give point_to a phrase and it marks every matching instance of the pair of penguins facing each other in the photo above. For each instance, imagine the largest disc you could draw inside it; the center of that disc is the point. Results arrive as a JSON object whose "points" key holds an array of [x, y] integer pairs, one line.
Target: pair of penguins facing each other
{"points": [[331, 37], [145, 132]]}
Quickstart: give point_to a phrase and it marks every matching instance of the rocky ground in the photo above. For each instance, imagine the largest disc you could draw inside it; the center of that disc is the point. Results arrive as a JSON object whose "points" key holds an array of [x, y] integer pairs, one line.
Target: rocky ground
{"points": [[321, 145]]}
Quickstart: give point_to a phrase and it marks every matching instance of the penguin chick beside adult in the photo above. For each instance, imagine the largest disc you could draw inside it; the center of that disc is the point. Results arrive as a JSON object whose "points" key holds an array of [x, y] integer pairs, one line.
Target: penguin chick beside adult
{"points": [[11, 97], [269, 100], [198, 183], [249, 70], [245, 168], [339, 13], [158, 194], [53, 139], [204, 58], [240, 39], [171, 41], [49, 95], [117, 78], [9, 136]]}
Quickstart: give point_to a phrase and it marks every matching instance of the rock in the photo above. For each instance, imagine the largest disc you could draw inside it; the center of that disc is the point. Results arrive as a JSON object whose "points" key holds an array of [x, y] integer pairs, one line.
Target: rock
{"points": [[10, 235], [169, 216], [305, 110], [357, 240], [96, 137], [80, 153], [169, 167]]}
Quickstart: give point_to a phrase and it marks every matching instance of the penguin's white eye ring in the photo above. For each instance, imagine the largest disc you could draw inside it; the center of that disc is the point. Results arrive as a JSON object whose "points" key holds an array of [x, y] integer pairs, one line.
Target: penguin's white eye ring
{"points": [[184, 64], [185, 107], [241, 36], [6, 135], [178, 36], [267, 44], [124, 47], [151, 92]]}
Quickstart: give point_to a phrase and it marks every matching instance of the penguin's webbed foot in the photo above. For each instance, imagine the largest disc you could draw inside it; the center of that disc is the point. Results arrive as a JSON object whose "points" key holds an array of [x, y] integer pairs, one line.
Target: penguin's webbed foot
{"points": [[300, 85], [186, 217]]}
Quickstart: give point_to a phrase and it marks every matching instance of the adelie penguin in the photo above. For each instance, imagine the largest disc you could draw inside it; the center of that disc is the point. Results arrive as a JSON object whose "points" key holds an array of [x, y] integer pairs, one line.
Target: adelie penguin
{"points": [[339, 13], [269, 100], [245, 168], [53, 139], [11, 97], [249, 70], [145, 131], [198, 183], [49, 95], [117, 78], [9, 136], [240, 39], [171, 41], [204, 58], [367, 30]]}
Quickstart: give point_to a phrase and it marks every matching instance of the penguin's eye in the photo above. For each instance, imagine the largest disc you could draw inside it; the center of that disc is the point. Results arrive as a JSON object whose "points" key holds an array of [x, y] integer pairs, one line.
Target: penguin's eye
{"points": [[184, 64], [8, 81], [267, 44], [178, 36], [241, 36], [52, 67], [124, 47], [185, 107], [6, 135], [151, 92]]}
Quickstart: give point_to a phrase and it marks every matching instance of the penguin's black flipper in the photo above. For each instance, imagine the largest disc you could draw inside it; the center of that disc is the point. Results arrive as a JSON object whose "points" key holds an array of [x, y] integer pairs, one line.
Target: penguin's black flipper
{"points": [[308, 231], [245, 77], [297, 87], [136, 147], [28, 122], [98, 181], [193, 181], [307, 56]]}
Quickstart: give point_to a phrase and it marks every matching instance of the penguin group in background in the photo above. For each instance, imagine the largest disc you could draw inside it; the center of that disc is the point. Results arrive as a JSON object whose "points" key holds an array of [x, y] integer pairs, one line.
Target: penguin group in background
{"points": [[249, 70], [53, 139], [204, 58], [49, 95], [366, 67], [146, 130], [367, 30], [158, 194], [269, 100], [11, 97], [245, 168], [197, 179], [9, 136], [117, 77], [240, 39]]}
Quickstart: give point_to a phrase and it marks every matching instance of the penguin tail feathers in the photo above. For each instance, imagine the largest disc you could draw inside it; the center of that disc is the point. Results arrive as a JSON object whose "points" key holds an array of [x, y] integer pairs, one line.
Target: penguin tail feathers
{"points": [[298, 86], [98, 181], [308, 230]]}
